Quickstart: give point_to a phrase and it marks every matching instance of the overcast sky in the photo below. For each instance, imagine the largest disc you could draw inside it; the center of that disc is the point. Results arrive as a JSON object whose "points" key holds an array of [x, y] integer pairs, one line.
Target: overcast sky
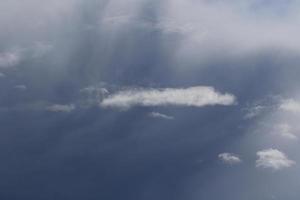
{"points": [[149, 99]]}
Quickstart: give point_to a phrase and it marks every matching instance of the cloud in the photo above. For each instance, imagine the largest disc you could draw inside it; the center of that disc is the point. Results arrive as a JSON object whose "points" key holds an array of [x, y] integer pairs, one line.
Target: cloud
{"points": [[61, 108], [284, 130], [235, 23], [160, 115], [21, 87], [92, 95], [94, 90], [2, 75], [229, 158], [9, 59], [290, 105], [254, 111], [273, 159], [194, 96]]}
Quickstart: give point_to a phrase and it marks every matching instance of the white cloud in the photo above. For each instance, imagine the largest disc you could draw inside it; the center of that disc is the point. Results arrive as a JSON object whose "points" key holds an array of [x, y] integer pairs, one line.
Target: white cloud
{"points": [[9, 59], [194, 96], [290, 105], [273, 159], [229, 158], [160, 115], [61, 108]]}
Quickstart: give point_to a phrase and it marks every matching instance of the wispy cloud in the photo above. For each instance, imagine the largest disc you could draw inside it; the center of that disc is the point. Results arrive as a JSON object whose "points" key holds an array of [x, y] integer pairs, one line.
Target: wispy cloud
{"points": [[160, 115], [92, 95], [284, 130], [194, 96], [12, 58], [93, 90], [9, 59], [21, 87], [40, 49], [254, 111], [273, 159], [229, 158], [61, 108]]}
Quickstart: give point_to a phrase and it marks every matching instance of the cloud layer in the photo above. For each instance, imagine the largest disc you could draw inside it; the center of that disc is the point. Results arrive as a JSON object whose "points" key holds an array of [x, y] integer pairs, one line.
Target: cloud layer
{"points": [[194, 96]]}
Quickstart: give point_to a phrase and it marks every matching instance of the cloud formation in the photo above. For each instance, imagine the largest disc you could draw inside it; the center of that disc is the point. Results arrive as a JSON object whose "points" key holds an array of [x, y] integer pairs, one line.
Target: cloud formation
{"points": [[273, 159], [198, 96], [229, 158], [160, 115]]}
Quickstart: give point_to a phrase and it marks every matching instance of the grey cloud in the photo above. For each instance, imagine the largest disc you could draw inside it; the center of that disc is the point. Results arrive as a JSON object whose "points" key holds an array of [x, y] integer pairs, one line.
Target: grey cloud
{"points": [[21, 87], [9, 59], [290, 105], [254, 111], [61, 108]]}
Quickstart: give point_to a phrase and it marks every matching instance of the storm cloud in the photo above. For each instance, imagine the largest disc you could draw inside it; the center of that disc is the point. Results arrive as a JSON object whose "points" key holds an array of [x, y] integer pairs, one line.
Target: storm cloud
{"points": [[148, 99]]}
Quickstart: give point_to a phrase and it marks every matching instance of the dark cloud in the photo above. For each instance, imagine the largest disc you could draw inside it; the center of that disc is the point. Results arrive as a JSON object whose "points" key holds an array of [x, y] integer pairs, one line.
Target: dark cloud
{"points": [[60, 60]]}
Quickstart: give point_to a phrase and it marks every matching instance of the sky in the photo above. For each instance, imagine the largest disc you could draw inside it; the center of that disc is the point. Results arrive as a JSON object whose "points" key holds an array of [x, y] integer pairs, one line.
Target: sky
{"points": [[149, 99]]}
